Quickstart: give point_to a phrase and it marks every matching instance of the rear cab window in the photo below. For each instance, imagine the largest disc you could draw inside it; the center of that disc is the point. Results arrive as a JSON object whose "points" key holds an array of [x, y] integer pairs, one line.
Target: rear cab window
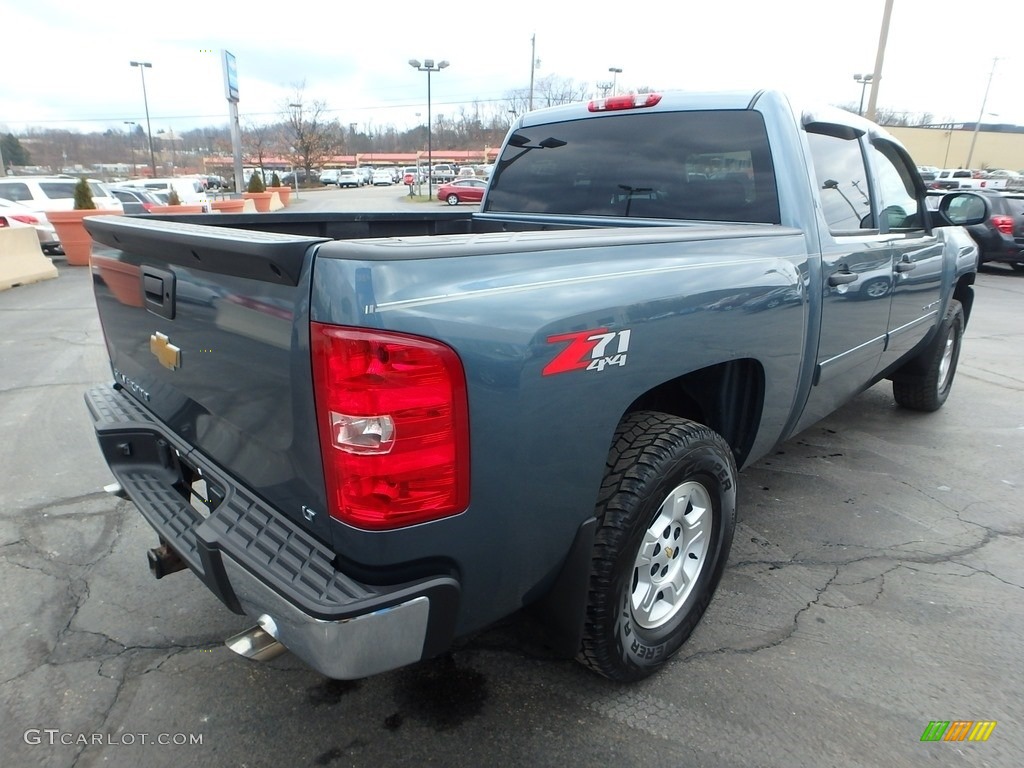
{"points": [[703, 165]]}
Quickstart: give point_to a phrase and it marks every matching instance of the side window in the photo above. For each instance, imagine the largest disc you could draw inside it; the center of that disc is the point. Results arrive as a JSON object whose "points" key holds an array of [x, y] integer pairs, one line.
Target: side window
{"points": [[898, 201], [15, 191], [842, 182], [58, 190]]}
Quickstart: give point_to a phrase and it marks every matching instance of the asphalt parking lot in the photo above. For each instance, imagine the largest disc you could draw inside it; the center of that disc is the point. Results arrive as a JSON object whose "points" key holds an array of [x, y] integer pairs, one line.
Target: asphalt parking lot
{"points": [[876, 584]]}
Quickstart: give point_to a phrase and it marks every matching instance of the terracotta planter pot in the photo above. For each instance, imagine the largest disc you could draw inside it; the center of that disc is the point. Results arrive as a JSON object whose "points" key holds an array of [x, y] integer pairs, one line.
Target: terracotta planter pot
{"points": [[123, 280], [285, 193], [76, 242], [176, 209], [260, 199], [229, 206]]}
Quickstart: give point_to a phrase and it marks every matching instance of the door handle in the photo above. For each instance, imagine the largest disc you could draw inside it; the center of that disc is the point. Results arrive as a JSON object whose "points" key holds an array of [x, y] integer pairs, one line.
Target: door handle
{"points": [[905, 266], [841, 278]]}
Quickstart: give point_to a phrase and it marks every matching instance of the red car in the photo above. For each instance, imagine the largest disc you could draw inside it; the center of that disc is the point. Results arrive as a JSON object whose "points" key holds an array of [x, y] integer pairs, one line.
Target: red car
{"points": [[462, 191]]}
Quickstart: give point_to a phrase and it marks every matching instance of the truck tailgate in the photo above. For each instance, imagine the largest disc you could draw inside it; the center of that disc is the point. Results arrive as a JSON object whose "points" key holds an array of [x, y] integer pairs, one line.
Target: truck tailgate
{"points": [[207, 329]]}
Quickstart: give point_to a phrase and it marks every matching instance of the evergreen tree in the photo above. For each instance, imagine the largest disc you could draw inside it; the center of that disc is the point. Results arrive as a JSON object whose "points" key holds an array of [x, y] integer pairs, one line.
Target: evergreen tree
{"points": [[13, 152]]}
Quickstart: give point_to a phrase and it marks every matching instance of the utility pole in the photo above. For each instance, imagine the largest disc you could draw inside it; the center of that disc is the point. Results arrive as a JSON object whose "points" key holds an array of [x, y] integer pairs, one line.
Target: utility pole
{"points": [[877, 71], [981, 114], [533, 67]]}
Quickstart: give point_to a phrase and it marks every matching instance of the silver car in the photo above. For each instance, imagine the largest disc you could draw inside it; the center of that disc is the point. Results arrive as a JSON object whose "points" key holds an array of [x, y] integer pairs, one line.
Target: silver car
{"points": [[48, 238]]}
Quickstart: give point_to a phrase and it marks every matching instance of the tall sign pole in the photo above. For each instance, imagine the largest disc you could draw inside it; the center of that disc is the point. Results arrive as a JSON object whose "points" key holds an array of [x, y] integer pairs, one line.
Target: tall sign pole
{"points": [[231, 94]]}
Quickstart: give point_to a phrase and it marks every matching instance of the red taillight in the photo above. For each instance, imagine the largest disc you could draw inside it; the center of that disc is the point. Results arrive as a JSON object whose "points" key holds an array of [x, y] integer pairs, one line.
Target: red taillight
{"points": [[147, 207], [394, 426], [25, 218], [1003, 223], [629, 101], [4, 222]]}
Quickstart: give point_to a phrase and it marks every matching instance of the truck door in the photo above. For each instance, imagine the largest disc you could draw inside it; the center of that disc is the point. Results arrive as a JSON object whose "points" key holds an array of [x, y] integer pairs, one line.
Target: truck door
{"points": [[916, 252], [857, 272]]}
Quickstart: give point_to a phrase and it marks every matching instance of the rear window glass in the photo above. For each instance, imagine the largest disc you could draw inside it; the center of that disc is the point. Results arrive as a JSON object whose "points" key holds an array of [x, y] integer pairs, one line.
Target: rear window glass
{"points": [[670, 165], [16, 191]]}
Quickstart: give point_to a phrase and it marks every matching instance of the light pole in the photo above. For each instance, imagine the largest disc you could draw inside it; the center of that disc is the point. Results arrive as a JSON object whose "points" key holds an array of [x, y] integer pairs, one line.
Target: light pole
{"points": [[299, 134], [616, 71], [131, 142], [863, 80], [142, 65], [429, 66]]}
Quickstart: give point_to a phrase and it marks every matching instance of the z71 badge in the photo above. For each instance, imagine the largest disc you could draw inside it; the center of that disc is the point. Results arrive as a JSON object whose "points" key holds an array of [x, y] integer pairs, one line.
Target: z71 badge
{"points": [[592, 350]]}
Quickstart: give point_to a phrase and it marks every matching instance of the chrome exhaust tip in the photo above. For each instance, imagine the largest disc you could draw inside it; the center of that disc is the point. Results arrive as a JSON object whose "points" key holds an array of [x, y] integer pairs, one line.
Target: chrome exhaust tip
{"points": [[257, 643], [115, 489]]}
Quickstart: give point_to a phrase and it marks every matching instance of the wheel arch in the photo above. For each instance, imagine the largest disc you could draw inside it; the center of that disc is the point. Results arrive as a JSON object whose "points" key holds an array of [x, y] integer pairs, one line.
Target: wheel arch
{"points": [[963, 292], [728, 397]]}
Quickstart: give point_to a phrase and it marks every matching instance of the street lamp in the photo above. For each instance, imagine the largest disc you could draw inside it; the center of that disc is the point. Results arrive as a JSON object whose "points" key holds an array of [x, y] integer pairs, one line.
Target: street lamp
{"points": [[429, 66], [299, 135], [131, 142], [142, 65], [863, 80], [616, 71]]}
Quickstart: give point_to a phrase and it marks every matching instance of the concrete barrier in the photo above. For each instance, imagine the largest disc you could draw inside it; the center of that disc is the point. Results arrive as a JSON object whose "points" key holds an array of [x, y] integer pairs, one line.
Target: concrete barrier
{"points": [[21, 259], [275, 202]]}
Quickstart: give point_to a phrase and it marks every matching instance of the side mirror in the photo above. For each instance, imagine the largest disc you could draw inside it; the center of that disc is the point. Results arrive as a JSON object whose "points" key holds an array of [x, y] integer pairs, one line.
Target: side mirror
{"points": [[963, 209]]}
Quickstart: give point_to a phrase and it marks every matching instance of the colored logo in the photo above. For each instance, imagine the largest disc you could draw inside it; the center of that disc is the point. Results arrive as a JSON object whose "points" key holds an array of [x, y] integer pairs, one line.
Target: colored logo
{"points": [[592, 350], [168, 354], [958, 730]]}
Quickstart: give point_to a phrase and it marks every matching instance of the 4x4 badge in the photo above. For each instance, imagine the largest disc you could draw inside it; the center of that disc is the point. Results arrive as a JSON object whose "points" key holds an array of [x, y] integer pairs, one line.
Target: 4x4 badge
{"points": [[168, 354]]}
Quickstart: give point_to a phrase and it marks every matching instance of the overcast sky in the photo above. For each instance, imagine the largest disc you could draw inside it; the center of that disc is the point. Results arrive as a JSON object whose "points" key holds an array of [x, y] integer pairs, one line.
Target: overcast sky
{"points": [[73, 67]]}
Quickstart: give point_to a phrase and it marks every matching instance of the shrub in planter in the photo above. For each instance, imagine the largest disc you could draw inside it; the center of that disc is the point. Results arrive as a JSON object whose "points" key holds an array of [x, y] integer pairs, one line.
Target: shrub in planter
{"points": [[83, 197], [256, 184], [74, 240], [258, 193]]}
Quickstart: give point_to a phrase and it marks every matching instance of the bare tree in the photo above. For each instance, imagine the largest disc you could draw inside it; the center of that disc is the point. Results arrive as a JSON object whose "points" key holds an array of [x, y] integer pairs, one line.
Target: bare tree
{"points": [[311, 137], [258, 141], [548, 91]]}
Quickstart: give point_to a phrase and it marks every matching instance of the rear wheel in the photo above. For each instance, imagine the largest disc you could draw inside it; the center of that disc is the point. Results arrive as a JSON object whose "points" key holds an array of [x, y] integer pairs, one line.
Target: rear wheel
{"points": [[667, 513], [927, 384]]}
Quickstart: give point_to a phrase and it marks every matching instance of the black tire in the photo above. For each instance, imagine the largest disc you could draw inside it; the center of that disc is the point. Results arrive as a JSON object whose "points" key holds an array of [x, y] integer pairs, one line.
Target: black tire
{"points": [[452, 199], [924, 383], [1017, 267], [646, 598]]}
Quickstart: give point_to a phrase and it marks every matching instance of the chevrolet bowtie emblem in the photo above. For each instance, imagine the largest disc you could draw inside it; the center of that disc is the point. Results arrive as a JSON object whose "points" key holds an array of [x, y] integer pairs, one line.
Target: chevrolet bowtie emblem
{"points": [[168, 354]]}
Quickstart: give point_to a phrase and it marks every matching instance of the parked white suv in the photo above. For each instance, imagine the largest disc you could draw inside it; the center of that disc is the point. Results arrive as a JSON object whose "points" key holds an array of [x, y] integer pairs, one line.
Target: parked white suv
{"points": [[54, 193], [330, 176], [190, 191]]}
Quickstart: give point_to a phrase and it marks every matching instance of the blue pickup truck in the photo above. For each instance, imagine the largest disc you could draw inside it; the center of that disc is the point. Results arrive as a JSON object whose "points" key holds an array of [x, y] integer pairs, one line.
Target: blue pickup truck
{"points": [[376, 434]]}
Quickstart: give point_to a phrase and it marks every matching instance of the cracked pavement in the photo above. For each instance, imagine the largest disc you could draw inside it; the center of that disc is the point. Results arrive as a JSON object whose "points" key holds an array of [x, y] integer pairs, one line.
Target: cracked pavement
{"points": [[876, 583]]}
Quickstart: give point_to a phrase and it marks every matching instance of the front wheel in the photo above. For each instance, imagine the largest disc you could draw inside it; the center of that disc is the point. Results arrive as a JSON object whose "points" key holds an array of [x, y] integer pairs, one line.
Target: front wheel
{"points": [[452, 199], [926, 385], [667, 513]]}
